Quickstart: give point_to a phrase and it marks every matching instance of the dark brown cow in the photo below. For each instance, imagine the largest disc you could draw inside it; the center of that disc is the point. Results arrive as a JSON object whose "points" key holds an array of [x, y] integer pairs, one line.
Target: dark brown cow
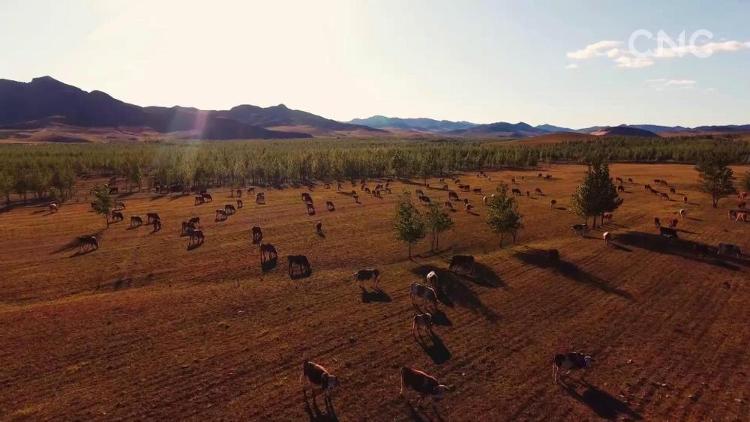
{"points": [[221, 215], [86, 243], [151, 216], [539, 191], [552, 203], [136, 221], [229, 209], [319, 228], [199, 200], [424, 199], [268, 256], [580, 229], [53, 207], [260, 198], [306, 197], [310, 209], [448, 204], [196, 238], [207, 197], [620, 188], [420, 323], [299, 266], [240, 204], [452, 196], [256, 234], [330, 206], [116, 216], [464, 188], [568, 362], [156, 226], [425, 385], [516, 191], [367, 274], [119, 205], [477, 190]]}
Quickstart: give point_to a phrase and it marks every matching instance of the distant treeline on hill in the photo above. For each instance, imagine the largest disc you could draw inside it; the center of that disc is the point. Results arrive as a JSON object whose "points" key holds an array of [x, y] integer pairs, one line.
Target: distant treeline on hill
{"points": [[50, 171]]}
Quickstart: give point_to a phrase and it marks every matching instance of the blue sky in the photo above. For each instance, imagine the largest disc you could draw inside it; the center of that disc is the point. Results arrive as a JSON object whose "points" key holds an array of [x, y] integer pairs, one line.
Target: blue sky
{"points": [[482, 61]]}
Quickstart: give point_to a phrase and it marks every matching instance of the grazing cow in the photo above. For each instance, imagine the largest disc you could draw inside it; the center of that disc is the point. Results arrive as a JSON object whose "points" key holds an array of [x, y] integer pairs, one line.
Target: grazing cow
{"points": [[630, 180], [306, 197], [552, 203], [53, 207], [729, 249], [113, 190], [330, 206], [668, 232], [119, 205], [664, 196], [732, 215], [187, 226], [117, 216], [452, 196], [464, 188], [423, 321], [199, 200], [221, 215], [196, 237], [157, 226], [135, 221], [432, 278], [299, 266], [607, 216], [195, 220], [260, 198], [647, 187], [619, 180], [448, 204], [229, 209], [314, 375], [528, 194], [319, 228], [607, 236], [424, 199], [569, 361], [268, 256], [239, 193], [424, 293], [310, 209], [580, 229], [672, 190], [240, 204], [741, 216], [366, 274], [88, 243], [256, 234], [339, 186], [462, 264], [682, 212], [657, 222], [425, 385], [477, 190], [620, 188], [207, 197], [151, 216], [468, 207], [251, 190]]}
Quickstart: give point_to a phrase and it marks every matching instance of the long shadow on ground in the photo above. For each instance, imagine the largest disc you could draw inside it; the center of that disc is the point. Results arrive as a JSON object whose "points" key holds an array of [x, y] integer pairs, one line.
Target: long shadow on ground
{"points": [[453, 290], [602, 403], [540, 258], [694, 251]]}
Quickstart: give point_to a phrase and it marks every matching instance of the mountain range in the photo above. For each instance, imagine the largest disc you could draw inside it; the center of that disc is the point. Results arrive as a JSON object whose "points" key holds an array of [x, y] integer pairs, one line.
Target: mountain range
{"points": [[46, 102]]}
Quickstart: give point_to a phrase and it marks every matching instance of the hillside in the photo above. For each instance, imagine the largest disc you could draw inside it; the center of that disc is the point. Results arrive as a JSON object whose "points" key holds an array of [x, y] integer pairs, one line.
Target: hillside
{"points": [[624, 131], [413, 124], [501, 129]]}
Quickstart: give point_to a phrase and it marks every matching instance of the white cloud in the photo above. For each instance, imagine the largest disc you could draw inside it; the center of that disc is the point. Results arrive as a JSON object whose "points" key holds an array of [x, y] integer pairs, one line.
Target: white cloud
{"points": [[663, 83], [572, 66], [596, 49], [625, 58]]}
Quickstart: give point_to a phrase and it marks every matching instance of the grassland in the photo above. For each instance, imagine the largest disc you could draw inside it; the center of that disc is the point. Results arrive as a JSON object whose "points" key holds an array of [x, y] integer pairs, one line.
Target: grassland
{"points": [[145, 329]]}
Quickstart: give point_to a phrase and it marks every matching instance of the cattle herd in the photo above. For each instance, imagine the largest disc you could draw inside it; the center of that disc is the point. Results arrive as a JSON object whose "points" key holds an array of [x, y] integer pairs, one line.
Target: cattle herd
{"points": [[423, 296]]}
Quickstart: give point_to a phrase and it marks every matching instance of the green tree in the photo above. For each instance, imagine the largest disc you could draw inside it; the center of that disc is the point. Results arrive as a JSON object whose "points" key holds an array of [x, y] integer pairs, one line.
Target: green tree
{"points": [[746, 182], [584, 197], [409, 225], [7, 185], [607, 199], [502, 214], [437, 221], [714, 175], [102, 203]]}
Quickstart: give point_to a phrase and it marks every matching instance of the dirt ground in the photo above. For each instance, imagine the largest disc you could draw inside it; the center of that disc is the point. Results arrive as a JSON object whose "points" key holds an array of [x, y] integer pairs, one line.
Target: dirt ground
{"points": [[145, 329]]}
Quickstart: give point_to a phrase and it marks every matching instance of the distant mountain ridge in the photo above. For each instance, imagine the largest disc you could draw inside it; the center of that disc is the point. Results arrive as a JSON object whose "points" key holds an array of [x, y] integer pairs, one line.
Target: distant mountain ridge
{"points": [[415, 124], [46, 100]]}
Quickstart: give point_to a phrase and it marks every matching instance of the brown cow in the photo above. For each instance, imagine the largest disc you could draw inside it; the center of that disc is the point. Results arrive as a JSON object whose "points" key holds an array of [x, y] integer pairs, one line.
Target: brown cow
{"points": [[314, 375], [425, 385], [569, 361], [256, 235], [299, 266]]}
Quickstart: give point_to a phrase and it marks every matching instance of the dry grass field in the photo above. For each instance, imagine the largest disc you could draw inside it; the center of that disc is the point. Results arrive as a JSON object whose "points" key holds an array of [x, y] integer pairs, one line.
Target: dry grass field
{"points": [[144, 329]]}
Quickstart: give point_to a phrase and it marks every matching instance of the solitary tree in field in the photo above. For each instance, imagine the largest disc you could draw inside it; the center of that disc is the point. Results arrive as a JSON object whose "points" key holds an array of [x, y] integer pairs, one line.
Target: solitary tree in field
{"points": [[6, 186], [102, 203], [502, 214], [746, 182], [408, 224], [597, 194], [715, 177], [437, 221]]}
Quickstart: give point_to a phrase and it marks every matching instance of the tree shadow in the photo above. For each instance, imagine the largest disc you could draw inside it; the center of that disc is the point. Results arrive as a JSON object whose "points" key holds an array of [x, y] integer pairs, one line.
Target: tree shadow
{"points": [[453, 291], [539, 258], [376, 295], [486, 276], [314, 412], [687, 249], [602, 403]]}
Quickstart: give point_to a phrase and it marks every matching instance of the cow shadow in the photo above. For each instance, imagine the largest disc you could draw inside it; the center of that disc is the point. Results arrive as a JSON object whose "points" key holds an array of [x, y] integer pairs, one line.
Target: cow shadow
{"points": [[417, 415], [453, 291], [678, 247], [602, 403], [486, 276], [375, 295], [195, 245], [435, 349], [314, 412], [569, 270], [297, 275]]}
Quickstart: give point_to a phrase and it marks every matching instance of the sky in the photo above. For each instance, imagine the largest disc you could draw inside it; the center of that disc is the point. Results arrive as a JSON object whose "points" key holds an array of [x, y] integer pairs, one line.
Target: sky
{"points": [[568, 63]]}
